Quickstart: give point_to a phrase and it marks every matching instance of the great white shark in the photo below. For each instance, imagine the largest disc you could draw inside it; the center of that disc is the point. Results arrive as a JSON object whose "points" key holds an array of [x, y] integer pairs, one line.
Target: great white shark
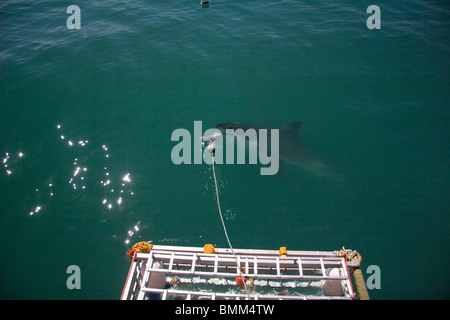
{"points": [[290, 149]]}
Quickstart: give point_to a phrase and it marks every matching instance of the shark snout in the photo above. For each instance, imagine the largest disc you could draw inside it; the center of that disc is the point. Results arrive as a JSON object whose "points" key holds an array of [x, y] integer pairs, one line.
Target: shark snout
{"points": [[222, 126], [228, 125]]}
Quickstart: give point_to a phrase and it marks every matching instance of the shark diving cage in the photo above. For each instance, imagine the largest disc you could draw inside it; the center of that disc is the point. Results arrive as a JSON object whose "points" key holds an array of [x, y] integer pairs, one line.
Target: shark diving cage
{"points": [[160, 272]]}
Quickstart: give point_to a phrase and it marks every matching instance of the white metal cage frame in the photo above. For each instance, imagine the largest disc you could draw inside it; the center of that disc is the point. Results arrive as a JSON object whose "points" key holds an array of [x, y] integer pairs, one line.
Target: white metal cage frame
{"points": [[300, 275]]}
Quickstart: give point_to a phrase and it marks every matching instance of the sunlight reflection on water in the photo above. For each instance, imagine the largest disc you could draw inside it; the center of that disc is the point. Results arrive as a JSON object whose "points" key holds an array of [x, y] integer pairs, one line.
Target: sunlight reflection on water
{"points": [[88, 177]]}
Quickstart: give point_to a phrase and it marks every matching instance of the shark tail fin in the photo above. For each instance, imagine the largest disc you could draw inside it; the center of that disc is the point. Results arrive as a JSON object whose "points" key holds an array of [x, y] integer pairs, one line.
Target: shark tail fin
{"points": [[292, 128]]}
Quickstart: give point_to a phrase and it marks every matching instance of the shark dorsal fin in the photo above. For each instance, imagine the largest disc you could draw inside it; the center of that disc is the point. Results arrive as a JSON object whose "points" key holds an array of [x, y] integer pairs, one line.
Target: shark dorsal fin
{"points": [[291, 128]]}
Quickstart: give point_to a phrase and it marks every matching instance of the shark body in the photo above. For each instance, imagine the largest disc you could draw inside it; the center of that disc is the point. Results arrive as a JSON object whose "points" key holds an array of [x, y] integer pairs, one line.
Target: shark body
{"points": [[290, 150]]}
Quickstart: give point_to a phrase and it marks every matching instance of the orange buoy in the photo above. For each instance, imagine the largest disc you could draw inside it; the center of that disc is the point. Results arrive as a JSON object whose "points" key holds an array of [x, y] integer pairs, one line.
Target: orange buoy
{"points": [[283, 254], [240, 282], [209, 248], [239, 279]]}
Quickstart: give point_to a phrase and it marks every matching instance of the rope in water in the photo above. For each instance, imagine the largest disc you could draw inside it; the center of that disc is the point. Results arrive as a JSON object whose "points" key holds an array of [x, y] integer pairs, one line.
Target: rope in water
{"points": [[225, 229]]}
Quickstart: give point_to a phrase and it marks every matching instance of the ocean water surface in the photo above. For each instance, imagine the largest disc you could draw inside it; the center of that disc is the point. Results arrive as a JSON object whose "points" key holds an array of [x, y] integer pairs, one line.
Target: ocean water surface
{"points": [[86, 118]]}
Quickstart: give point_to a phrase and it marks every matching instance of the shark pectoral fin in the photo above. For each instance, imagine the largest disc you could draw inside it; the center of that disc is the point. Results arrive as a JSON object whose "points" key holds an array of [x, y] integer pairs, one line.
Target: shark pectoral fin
{"points": [[291, 128]]}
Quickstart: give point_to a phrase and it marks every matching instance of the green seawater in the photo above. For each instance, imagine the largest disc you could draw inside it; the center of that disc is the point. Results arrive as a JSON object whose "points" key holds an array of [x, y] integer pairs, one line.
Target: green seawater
{"points": [[86, 118]]}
